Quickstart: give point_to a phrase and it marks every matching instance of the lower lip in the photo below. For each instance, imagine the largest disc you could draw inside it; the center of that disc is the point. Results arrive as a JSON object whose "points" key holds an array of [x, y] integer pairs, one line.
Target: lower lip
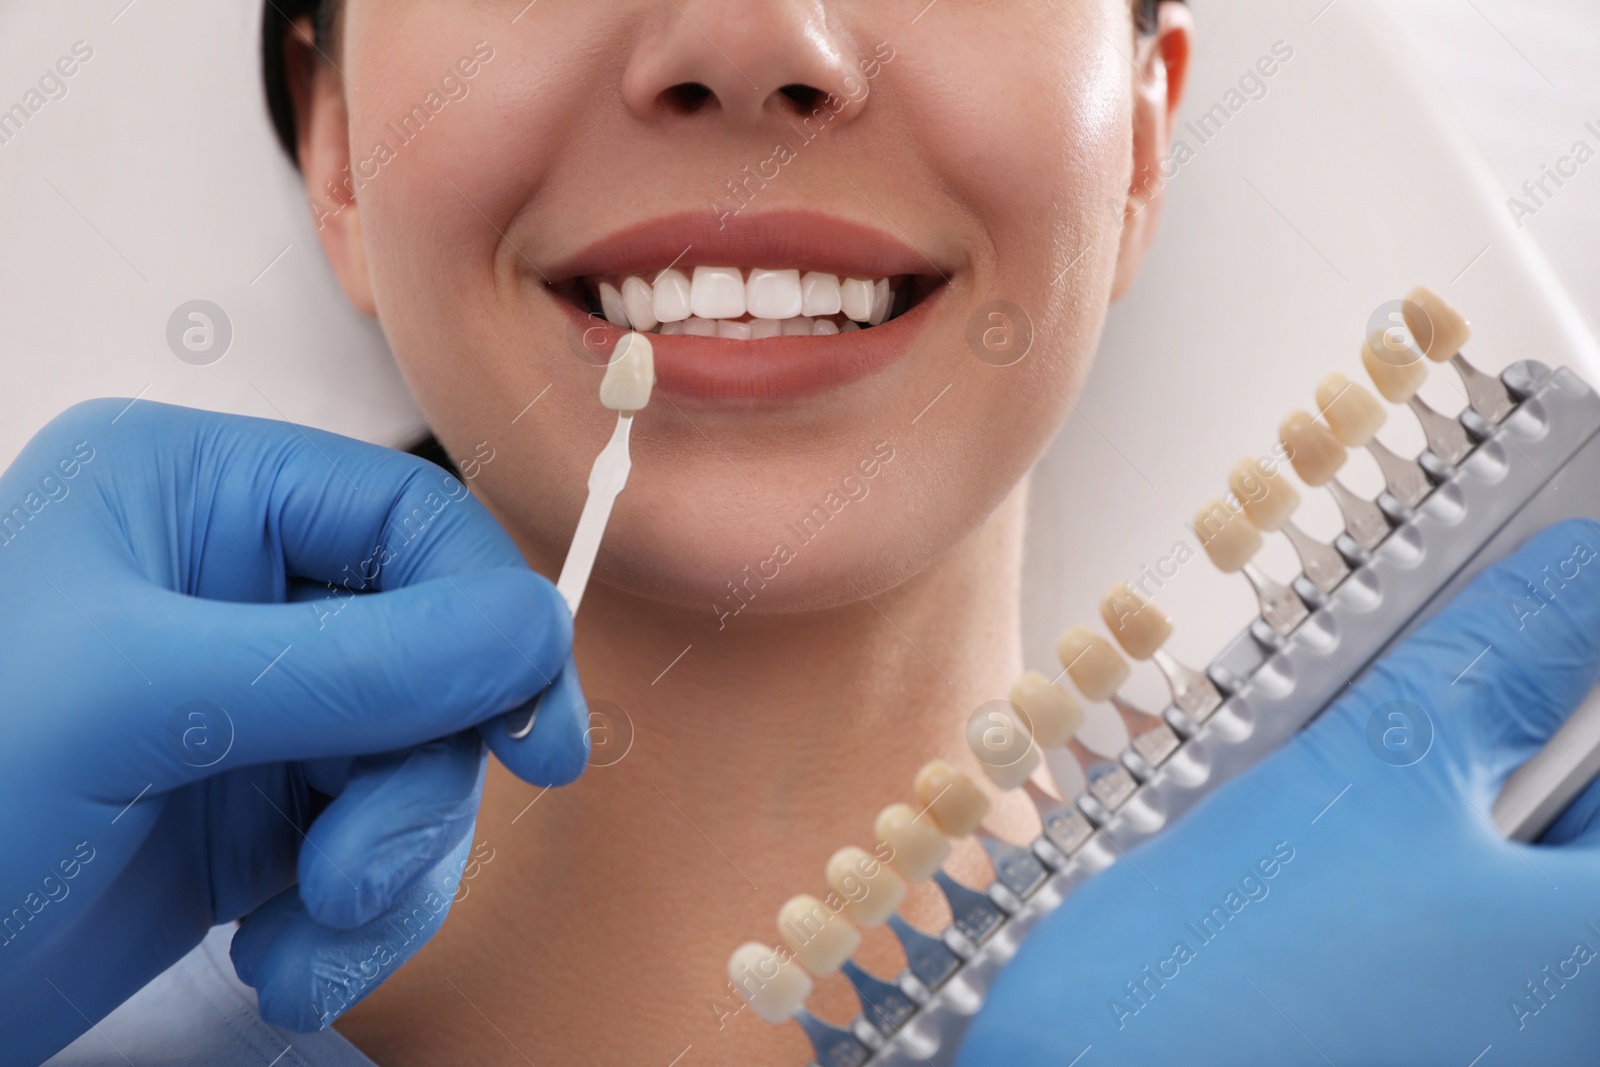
{"points": [[773, 368]]}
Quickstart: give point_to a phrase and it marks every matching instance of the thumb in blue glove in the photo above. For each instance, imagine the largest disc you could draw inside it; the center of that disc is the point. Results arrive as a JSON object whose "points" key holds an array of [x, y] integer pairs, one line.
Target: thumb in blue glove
{"points": [[185, 742]]}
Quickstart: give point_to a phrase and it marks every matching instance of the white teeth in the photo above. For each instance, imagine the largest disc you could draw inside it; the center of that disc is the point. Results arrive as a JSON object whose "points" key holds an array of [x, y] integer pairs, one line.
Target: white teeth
{"points": [[819, 294], [730, 303], [773, 294], [855, 299], [717, 293], [639, 303], [671, 296], [880, 302], [611, 305]]}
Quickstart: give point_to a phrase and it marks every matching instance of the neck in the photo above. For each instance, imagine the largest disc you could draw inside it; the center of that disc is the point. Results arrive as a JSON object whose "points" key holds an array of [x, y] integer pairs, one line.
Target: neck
{"points": [[601, 929]]}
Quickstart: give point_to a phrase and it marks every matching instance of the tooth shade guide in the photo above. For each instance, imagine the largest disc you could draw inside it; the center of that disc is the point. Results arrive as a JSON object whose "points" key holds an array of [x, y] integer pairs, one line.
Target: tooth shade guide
{"points": [[1052, 714], [1396, 372], [820, 937], [1267, 497], [1351, 412], [951, 797], [999, 738], [1136, 624], [870, 888], [1432, 321], [918, 847], [772, 982], [1314, 452], [1095, 667]]}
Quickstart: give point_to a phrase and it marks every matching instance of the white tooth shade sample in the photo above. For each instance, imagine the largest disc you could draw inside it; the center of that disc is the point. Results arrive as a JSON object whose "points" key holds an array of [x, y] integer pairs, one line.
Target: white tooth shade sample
{"points": [[1397, 372], [1352, 413], [880, 302], [611, 305], [1269, 500], [870, 889], [920, 847], [639, 302], [1002, 744], [1094, 666], [630, 374], [855, 299], [822, 940], [773, 294], [717, 293], [1052, 713], [1138, 625], [771, 982], [1428, 316], [1227, 536], [819, 294], [671, 296], [1315, 453], [953, 799]]}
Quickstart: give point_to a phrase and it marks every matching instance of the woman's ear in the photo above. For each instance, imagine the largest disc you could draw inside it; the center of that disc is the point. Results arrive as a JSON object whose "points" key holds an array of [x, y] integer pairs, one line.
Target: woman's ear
{"points": [[322, 136], [1162, 59]]}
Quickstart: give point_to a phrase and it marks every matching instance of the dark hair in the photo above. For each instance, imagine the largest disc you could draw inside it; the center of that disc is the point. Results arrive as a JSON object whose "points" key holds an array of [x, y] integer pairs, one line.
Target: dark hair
{"points": [[278, 15]]}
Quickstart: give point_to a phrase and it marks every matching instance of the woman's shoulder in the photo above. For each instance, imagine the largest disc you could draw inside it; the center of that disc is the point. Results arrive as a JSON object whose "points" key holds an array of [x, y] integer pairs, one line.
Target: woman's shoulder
{"points": [[198, 1014]]}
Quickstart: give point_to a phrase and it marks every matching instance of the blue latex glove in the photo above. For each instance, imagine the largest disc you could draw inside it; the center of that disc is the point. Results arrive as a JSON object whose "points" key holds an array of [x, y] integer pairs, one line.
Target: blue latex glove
{"points": [[1340, 903], [181, 743]]}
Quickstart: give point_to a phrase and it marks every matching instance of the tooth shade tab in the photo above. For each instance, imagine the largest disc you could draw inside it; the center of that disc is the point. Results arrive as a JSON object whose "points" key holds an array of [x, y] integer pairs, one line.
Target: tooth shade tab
{"points": [[1139, 627], [1268, 499], [638, 303], [953, 800], [1230, 539], [1397, 371], [870, 889], [671, 296], [1316, 454], [1096, 668], [1004, 747], [1052, 714], [1439, 329], [773, 294], [1354, 415], [819, 294], [630, 374], [770, 980], [821, 939], [919, 846]]}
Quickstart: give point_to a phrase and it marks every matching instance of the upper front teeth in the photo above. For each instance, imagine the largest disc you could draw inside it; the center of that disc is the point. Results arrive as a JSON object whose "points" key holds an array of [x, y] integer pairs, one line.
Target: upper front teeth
{"points": [[723, 293]]}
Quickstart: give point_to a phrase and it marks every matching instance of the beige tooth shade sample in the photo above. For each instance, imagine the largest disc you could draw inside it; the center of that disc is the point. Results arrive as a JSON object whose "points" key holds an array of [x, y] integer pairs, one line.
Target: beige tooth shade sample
{"points": [[821, 939], [1352, 413], [954, 801], [771, 981], [870, 889], [1268, 499], [1439, 328], [1002, 744], [920, 847], [1052, 714], [1230, 539], [1396, 372], [1096, 668], [1317, 455], [1139, 626]]}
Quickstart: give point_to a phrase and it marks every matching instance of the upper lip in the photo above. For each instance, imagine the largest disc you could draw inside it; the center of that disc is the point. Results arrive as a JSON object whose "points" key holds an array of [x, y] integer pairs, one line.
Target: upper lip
{"points": [[804, 240]]}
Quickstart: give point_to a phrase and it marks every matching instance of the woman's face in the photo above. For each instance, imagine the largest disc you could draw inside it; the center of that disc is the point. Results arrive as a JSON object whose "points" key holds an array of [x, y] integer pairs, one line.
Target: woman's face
{"points": [[507, 157]]}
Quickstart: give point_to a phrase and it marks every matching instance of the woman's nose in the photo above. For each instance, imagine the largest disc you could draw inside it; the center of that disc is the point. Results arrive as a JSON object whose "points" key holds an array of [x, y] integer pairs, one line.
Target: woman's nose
{"points": [[748, 59]]}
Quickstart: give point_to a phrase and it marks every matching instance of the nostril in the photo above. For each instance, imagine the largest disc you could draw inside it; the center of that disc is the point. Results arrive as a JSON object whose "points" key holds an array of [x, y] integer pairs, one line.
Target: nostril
{"points": [[806, 98], [687, 97]]}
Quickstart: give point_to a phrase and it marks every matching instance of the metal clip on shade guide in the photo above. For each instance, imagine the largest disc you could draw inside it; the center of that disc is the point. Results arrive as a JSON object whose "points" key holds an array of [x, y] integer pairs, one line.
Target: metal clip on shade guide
{"points": [[1318, 456], [1355, 416], [1268, 501], [928, 958], [885, 1005], [1441, 332], [1231, 541], [1398, 369], [833, 1046], [1142, 631]]}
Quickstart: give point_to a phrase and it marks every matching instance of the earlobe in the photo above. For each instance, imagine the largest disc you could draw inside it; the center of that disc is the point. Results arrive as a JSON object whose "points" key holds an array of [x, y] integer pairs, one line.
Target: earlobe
{"points": [[1163, 67], [322, 133]]}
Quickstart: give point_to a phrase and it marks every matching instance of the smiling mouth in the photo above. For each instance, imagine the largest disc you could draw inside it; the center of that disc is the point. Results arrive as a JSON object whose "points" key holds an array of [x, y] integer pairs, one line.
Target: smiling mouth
{"points": [[736, 304]]}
